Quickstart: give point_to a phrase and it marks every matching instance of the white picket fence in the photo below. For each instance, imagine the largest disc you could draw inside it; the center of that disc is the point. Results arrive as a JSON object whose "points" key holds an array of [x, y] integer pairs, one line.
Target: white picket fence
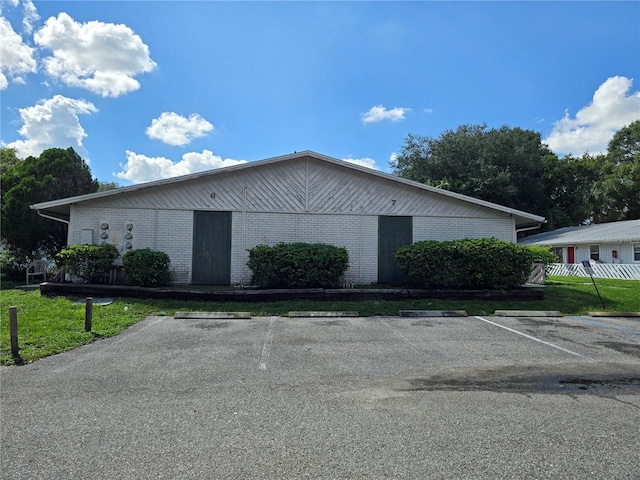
{"points": [[600, 270]]}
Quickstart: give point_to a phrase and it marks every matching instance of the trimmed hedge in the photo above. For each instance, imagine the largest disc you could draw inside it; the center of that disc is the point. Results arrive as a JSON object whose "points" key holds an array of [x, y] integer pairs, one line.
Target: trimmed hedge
{"points": [[298, 265], [486, 263], [147, 268], [91, 263]]}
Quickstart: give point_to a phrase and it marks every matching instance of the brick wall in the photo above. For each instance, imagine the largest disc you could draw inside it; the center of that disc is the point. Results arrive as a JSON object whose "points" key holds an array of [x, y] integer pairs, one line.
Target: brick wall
{"points": [[171, 231], [445, 228], [358, 233]]}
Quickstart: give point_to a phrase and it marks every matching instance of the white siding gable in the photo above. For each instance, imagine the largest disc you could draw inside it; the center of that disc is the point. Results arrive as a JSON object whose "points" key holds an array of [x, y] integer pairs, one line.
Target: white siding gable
{"points": [[303, 185]]}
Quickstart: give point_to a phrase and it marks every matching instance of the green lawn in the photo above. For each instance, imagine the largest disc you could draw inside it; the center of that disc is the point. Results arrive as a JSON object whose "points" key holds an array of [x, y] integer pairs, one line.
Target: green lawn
{"points": [[52, 325]]}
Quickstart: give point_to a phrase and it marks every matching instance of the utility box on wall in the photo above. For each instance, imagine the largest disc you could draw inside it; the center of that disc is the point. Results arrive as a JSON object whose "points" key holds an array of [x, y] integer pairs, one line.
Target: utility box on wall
{"points": [[86, 236]]}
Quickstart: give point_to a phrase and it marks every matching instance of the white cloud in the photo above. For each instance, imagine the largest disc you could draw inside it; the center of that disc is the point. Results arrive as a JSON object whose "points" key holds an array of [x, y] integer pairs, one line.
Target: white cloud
{"points": [[140, 168], [101, 57], [30, 16], [363, 162], [175, 129], [612, 108], [16, 57], [378, 113], [52, 123]]}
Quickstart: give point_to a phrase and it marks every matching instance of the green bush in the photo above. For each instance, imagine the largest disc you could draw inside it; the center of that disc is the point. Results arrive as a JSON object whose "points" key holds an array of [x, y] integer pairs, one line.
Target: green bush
{"points": [[91, 263], [470, 263], [298, 265], [11, 269], [146, 267], [542, 255]]}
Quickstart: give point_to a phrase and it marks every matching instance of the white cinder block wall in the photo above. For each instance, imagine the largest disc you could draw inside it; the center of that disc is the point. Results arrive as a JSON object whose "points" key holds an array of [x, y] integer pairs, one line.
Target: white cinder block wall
{"points": [[171, 231], [358, 233], [451, 228]]}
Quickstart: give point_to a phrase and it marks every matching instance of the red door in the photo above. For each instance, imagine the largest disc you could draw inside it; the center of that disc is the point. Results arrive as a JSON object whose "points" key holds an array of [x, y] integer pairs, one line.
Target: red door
{"points": [[571, 255]]}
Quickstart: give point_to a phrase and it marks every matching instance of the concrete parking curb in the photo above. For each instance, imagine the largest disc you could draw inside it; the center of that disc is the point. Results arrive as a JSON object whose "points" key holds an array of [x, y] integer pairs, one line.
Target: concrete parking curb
{"points": [[211, 315], [526, 313], [615, 314], [433, 313]]}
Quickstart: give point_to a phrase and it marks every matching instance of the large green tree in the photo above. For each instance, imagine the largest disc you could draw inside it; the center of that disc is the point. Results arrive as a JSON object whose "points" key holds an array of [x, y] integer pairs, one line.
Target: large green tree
{"points": [[56, 173], [512, 167], [620, 179], [8, 159], [568, 184], [504, 165]]}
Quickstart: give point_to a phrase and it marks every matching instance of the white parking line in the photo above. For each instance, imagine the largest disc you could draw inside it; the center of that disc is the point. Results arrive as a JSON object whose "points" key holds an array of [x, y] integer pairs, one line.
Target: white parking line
{"points": [[529, 337], [266, 346], [413, 346]]}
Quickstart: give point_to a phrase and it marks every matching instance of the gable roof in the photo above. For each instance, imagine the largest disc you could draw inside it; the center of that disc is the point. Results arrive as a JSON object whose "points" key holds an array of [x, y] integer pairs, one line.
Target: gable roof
{"points": [[614, 232], [61, 207]]}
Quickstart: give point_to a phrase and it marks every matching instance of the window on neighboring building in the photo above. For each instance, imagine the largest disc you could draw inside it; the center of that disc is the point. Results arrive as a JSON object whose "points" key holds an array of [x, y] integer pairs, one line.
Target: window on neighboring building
{"points": [[594, 252], [559, 253], [636, 252]]}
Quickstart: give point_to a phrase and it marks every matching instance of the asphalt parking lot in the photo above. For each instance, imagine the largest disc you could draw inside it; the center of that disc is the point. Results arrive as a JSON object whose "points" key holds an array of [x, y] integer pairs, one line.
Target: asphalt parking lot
{"points": [[378, 397]]}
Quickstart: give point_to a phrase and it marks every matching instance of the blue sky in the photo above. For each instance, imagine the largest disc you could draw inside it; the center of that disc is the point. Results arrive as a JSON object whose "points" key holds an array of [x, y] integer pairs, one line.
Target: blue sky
{"points": [[146, 90]]}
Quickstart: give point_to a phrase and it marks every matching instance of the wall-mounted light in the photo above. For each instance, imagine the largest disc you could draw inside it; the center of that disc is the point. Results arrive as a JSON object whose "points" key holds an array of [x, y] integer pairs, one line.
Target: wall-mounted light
{"points": [[213, 195]]}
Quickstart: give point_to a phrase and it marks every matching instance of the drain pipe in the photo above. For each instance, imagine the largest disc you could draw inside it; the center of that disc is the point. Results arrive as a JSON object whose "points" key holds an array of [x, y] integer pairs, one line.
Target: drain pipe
{"points": [[57, 219], [518, 230]]}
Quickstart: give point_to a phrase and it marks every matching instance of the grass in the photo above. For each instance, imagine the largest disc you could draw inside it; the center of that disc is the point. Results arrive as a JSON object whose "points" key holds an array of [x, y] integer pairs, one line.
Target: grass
{"points": [[47, 326]]}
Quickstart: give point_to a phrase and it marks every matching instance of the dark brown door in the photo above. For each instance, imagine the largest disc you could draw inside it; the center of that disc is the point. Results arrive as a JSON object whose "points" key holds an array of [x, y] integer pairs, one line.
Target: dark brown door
{"points": [[211, 248]]}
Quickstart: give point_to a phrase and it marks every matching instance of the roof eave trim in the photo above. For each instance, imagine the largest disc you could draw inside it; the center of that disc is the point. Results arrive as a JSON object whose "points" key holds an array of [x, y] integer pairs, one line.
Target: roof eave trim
{"points": [[308, 153]]}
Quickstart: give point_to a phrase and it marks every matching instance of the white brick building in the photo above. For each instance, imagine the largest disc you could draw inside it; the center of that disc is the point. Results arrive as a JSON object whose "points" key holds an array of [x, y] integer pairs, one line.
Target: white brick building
{"points": [[207, 221]]}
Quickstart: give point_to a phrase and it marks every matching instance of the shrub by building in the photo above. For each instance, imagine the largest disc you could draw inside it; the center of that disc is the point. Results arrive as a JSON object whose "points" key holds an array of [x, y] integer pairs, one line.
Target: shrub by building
{"points": [[485, 263], [91, 263], [146, 267], [298, 265]]}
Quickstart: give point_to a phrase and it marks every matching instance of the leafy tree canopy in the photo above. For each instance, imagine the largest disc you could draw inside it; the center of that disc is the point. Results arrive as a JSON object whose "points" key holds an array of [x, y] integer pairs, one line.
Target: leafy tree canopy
{"points": [[104, 186], [56, 173], [503, 165], [8, 159], [512, 167], [621, 180]]}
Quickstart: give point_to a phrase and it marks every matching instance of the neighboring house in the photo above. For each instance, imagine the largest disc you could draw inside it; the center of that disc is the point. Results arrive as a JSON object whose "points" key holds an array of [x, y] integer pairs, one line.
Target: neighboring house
{"points": [[207, 221], [611, 243]]}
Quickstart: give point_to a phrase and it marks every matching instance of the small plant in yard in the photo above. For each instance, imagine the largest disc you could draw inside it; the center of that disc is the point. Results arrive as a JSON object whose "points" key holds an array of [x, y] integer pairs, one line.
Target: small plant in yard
{"points": [[91, 263], [147, 268], [10, 268], [542, 255]]}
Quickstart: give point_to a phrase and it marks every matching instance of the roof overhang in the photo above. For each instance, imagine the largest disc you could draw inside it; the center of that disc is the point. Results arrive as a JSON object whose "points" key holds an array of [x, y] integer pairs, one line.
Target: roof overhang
{"points": [[62, 207]]}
